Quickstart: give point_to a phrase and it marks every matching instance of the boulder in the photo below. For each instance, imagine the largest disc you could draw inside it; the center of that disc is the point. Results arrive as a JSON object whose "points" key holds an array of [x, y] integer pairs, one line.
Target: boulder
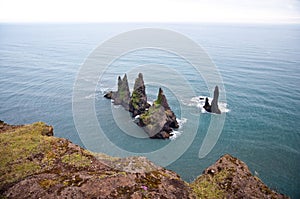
{"points": [[138, 101]]}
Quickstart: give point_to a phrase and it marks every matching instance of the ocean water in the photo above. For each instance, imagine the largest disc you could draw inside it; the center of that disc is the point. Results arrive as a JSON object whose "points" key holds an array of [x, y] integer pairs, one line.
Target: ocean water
{"points": [[259, 64]]}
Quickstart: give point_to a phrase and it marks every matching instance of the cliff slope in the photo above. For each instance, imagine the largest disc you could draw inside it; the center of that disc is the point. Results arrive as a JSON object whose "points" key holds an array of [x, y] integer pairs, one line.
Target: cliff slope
{"points": [[34, 164]]}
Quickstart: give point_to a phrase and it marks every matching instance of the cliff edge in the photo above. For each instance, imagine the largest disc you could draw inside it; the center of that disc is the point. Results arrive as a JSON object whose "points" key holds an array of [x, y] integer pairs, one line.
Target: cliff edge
{"points": [[35, 164]]}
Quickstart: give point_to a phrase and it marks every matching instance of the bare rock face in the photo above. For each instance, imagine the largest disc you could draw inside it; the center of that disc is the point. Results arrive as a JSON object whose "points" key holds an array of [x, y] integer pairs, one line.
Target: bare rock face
{"points": [[229, 177], [213, 108], [159, 120], [214, 102], [207, 106], [138, 101], [122, 95]]}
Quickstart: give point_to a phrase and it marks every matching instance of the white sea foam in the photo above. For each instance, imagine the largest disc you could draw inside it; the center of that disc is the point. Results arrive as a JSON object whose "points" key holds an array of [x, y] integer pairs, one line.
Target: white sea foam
{"points": [[103, 90], [199, 102], [91, 96], [181, 122], [175, 135]]}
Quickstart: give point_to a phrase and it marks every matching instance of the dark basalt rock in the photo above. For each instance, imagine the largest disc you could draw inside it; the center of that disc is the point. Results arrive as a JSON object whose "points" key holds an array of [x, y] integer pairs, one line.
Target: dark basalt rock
{"points": [[159, 120], [207, 106], [214, 102], [213, 108], [122, 95], [138, 101]]}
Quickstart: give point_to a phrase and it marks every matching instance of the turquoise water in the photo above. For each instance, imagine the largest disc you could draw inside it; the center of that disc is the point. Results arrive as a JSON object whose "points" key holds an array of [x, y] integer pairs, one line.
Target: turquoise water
{"points": [[260, 66]]}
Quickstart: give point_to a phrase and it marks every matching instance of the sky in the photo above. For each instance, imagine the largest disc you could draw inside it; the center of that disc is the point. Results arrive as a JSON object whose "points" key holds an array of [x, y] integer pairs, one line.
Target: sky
{"points": [[241, 11]]}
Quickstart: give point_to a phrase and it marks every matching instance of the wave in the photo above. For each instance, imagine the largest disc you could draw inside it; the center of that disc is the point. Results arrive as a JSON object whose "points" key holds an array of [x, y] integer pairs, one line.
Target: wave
{"points": [[181, 122], [176, 134], [199, 102]]}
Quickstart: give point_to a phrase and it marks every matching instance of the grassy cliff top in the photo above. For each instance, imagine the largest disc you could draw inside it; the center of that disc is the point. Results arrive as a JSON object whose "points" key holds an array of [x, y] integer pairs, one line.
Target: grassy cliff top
{"points": [[34, 164]]}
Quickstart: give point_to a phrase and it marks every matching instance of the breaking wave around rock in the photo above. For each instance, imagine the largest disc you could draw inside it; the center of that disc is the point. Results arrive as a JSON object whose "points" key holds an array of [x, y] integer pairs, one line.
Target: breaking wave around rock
{"points": [[199, 102]]}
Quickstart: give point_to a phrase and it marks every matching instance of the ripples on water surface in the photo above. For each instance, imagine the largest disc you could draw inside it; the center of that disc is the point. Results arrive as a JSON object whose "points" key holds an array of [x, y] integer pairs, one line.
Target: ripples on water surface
{"points": [[259, 65]]}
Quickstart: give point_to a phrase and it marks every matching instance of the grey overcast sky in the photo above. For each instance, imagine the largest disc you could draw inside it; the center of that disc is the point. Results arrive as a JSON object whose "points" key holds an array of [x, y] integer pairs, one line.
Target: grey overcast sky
{"points": [[244, 11]]}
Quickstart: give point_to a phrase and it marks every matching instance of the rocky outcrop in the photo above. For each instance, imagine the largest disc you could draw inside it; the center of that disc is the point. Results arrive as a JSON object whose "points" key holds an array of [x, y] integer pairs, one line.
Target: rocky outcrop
{"points": [[35, 164], [229, 177], [207, 106], [214, 102], [138, 101], [213, 108], [122, 95], [159, 120], [6, 127], [38, 166]]}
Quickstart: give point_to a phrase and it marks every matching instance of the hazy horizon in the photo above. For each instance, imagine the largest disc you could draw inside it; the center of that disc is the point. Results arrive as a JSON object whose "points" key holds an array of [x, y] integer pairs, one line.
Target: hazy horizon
{"points": [[141, 11]]}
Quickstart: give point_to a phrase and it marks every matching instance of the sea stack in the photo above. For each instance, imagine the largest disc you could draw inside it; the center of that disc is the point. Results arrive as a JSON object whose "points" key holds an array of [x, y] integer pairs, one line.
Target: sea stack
{"points": [[159, 120], [214, 102], [122, 95], [138, 102], [207, 106], [213, 108]]}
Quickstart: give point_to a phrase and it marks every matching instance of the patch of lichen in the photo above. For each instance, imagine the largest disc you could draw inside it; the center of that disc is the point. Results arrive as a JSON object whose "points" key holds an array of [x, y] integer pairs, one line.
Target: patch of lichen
{"points": [[212, 186]]}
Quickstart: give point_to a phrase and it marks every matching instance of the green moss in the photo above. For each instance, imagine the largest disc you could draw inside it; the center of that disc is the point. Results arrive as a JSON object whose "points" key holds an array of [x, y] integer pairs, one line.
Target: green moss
{"points": [[17, 149], [24, 152], [76, 159], [48, 183], [212, 186]]}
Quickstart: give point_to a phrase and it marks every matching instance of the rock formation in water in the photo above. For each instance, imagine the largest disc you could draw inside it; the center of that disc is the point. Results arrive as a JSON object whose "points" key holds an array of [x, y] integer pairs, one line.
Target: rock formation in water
{"points": [[34, 165], [207, 106], [213, 108], [214, 102], [138, 101], [122, 95], [159, 120]]}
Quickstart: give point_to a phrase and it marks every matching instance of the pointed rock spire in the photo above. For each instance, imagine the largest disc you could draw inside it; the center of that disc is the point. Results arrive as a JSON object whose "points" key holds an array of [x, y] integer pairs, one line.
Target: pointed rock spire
{"points": [[138, 102], [122, 95], [213, 108], [214, 102], [162, 100]]}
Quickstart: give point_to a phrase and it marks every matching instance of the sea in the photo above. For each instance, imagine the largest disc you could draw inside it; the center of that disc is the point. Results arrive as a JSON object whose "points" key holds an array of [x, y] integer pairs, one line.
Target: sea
{"points": [[259, 65]]}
